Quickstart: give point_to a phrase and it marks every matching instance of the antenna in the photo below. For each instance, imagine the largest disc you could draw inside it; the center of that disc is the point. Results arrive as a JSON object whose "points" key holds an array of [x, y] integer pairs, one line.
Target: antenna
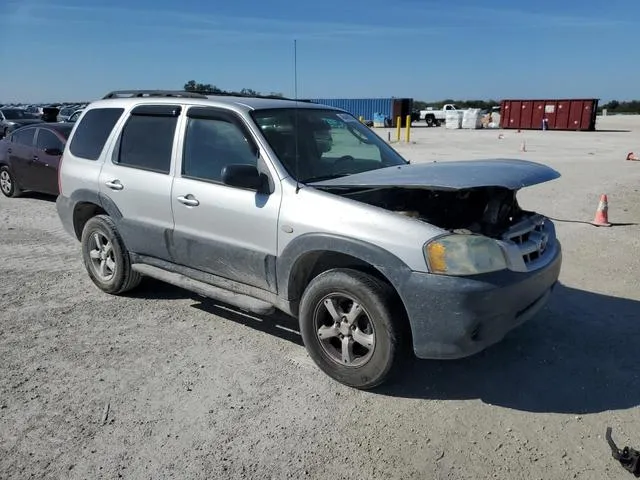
{"points": [[295, 94]]}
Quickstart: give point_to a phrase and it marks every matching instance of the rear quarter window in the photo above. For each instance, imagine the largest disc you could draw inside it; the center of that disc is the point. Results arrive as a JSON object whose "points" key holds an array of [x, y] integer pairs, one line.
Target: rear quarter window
{"points": [[93, 131]]}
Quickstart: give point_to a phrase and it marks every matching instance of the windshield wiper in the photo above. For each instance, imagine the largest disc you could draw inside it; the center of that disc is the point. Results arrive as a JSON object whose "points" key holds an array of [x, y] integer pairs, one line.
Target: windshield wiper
{"points": [[324, 177]]}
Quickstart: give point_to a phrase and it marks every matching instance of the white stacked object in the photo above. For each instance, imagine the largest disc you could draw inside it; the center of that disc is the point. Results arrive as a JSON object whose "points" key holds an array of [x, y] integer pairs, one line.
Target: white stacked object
{"points": [[471, 119], [453, 119]]}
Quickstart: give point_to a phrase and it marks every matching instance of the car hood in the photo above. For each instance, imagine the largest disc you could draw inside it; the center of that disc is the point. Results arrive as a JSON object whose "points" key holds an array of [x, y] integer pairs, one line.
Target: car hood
{"points": [[458, 175]]}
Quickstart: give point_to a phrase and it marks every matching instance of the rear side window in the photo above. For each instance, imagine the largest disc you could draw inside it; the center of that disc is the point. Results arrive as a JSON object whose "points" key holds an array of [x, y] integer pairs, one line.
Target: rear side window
{"points": [[48, 140], [147, 138], [24, 137], [93, 131]]}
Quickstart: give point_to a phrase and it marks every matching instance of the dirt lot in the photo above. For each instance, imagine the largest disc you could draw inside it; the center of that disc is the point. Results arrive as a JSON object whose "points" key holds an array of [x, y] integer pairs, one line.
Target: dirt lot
{"points": [[199, 391]]}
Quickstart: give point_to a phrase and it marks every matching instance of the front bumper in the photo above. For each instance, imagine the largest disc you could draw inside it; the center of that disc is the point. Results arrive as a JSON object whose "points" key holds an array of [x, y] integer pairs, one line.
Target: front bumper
{"points": [[455, 317]]}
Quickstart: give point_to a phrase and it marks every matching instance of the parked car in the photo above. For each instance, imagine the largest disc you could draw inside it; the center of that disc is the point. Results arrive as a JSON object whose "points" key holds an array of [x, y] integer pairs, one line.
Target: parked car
{"points": [[13, 118], [30, 157], [75, 115], [244, 200], [36, 110], [65, 113]]}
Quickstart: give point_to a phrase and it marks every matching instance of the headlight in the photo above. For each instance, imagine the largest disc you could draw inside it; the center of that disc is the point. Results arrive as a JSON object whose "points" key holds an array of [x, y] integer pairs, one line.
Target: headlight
{"points": [[464, 255]]}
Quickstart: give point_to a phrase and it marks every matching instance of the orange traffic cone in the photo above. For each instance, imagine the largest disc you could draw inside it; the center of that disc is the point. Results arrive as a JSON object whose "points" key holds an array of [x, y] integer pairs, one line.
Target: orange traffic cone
{"points": [[602, 213], [632, 156], [523, 146]]}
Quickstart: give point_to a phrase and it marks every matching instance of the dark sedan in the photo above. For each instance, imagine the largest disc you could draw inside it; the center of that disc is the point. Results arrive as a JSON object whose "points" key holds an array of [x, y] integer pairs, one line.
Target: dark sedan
{"points": [[14, 118], [30, 158]]}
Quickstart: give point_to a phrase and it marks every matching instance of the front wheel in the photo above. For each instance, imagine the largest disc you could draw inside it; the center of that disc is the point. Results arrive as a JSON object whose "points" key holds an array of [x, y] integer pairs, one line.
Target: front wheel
{"points": [[352, 327], [106, 257]]}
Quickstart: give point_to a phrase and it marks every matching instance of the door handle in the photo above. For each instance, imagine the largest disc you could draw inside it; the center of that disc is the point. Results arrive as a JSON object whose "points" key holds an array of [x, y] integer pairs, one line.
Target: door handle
{"points": [[114, 185], [188, 200], [35, 158]]}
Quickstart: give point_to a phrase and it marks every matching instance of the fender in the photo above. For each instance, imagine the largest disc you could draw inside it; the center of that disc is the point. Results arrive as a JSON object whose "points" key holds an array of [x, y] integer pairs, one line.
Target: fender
{"points": [[394, 269], [89, 196]]}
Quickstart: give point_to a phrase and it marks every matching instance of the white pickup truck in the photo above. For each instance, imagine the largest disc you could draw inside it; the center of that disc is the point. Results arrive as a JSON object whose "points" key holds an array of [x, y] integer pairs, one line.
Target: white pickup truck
{"points": [[435, 117]]}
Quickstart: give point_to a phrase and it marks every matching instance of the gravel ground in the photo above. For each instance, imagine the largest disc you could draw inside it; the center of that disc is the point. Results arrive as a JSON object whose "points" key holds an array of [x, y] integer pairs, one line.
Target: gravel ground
{"points": [[195, 390]]}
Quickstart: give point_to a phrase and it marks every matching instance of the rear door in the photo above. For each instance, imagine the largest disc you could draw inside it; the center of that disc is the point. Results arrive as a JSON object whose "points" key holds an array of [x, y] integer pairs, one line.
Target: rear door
{"points": [[137, 177], [46, 161], [21, 153]]}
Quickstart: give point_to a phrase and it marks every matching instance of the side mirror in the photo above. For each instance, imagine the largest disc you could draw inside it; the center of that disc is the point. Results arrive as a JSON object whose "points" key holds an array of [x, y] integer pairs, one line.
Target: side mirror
{"points": [[56, 152], [244, 176]]}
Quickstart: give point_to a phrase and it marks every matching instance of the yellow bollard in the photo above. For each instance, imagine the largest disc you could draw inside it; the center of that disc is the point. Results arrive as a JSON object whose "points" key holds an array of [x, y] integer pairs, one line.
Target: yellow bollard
{"points": [[399, 128], [408, 128]]}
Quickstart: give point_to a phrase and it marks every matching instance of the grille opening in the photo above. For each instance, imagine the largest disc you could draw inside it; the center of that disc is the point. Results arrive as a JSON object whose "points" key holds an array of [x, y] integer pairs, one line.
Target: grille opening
{"points": [[530, 236]]}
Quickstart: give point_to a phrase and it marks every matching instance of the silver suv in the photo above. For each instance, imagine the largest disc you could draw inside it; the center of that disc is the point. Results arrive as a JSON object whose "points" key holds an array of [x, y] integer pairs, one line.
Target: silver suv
{"points": [[268, 203]]}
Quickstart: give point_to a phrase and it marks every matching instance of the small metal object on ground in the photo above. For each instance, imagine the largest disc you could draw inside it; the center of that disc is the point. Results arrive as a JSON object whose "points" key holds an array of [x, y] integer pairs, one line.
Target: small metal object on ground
{"points": [[628, 457]]}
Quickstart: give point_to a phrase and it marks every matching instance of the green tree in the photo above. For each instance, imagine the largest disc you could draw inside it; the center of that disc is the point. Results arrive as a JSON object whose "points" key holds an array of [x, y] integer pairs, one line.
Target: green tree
{"points": [[209, 89]]}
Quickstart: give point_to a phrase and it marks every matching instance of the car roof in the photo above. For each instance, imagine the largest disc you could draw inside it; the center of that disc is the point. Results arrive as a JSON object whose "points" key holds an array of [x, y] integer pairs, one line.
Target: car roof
{"points": [[62, 128], [244, 104]]}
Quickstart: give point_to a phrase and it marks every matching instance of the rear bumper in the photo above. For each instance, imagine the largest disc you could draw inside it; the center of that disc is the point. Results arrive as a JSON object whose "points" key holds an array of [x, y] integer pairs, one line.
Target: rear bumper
{"points": [[65, 206], [454, 317]]}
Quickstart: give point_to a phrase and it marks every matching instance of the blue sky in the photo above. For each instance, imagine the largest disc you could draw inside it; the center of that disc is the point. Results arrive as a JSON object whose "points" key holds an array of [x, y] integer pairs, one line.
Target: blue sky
{"points": [[66, 50]]}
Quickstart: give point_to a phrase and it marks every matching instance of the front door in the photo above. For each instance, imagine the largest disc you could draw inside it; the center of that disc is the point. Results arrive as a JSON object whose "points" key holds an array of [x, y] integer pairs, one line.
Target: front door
{"points": [[136, 177], [227, 231]]}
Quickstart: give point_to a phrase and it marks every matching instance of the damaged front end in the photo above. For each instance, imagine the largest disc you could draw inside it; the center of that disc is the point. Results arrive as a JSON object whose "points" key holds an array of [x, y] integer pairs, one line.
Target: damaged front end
{"points": [[474, 201], [525, 237]]}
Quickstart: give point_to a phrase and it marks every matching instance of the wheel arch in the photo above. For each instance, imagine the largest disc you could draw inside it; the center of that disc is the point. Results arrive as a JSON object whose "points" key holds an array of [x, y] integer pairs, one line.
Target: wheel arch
{"points": [[309, 255], [86, 205]]}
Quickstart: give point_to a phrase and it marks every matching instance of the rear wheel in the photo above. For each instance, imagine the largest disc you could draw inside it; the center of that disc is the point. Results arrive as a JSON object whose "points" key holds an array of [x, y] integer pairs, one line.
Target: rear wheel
{"points": [[8, 183], [429, 120], [106, 257], [351, 327]]}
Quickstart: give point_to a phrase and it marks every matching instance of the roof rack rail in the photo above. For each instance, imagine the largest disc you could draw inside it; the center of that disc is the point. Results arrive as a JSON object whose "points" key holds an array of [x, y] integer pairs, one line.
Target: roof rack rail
{"points": [[246, 95], [153, 93]]}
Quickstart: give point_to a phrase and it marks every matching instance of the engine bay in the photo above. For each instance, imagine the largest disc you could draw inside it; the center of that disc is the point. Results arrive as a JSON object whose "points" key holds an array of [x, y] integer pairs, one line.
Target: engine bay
{"points": [[489, 211]]}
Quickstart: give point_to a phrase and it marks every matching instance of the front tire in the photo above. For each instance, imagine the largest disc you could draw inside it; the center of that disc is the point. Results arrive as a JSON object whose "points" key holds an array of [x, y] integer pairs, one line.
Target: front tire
{"points": [[351, 326], [106, 258], [8, 184]]}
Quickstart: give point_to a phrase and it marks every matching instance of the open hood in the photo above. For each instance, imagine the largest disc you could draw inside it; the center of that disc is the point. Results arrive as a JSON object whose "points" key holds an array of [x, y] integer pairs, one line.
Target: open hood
{"points": [[457, 175]]}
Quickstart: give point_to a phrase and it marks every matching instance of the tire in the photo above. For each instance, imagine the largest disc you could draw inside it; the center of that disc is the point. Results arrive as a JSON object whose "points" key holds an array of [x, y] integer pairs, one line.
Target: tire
{"points": [[380, 324], [429, 121], [438, 123], [8, 184], [101, 242]]}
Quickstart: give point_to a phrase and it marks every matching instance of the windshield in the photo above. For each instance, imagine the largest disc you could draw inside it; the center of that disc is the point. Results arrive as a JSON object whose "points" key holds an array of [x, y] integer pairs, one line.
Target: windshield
{"points": [[16, 114], [330, 143]]}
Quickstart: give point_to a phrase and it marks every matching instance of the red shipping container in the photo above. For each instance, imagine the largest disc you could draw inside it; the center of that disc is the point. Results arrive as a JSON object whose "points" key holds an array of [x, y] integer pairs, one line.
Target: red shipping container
{"points": [[561, 114]]}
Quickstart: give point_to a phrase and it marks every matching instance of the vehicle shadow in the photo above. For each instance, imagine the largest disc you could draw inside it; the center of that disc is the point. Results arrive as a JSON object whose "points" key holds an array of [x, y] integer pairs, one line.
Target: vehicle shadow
{"points": [[38, 196], [277, 324], [579, 355]]}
